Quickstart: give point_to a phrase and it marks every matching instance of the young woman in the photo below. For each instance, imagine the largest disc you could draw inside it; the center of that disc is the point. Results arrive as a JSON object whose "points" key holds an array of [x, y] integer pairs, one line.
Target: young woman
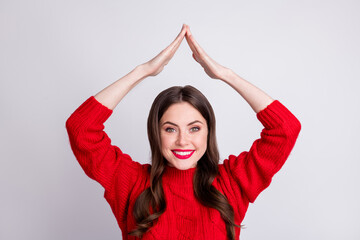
{"points": [[185, 193]]}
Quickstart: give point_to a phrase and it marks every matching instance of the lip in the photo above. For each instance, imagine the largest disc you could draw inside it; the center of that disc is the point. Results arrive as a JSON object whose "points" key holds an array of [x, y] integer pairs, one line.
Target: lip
{"points": [[182, 156]]}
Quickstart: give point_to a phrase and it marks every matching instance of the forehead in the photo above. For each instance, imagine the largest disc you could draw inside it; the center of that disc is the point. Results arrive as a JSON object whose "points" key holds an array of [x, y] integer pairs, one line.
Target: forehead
{"points": [[182, 113]]}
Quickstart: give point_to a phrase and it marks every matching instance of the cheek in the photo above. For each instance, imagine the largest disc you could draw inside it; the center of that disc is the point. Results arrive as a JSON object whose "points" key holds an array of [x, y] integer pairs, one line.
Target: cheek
{"points": [[166, 142], [201, 141]]}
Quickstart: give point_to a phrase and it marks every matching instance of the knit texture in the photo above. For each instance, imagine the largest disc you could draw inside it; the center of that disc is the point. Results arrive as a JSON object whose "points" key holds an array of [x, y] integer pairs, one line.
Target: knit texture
{"points": [[241, 178]]}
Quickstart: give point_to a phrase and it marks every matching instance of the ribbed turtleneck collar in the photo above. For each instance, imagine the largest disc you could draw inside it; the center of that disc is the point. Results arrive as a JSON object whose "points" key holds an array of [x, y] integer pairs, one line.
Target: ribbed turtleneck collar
{"points": [[175, 176]]}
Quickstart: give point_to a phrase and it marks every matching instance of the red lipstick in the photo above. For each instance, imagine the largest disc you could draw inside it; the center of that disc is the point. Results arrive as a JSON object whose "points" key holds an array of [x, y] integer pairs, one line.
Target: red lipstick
{"points": [[182, 153]]}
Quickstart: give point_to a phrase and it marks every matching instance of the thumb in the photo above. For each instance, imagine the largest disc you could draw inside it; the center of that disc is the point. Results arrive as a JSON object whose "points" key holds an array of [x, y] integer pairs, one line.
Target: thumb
{"points": [[195, 58]]}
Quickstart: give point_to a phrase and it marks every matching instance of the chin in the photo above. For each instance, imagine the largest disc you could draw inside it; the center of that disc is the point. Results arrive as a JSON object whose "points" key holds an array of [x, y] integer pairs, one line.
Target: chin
{"points": [[183, 166]]}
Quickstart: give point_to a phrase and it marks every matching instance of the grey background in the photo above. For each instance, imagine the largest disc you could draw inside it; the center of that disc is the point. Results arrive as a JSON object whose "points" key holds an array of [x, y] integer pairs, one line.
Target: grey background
{"points": [[56, 54]]}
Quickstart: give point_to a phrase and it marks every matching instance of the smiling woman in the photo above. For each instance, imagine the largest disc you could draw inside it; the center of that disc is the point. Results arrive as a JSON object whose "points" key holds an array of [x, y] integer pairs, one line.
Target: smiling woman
{"points": [[185, 193], [183, 135]]}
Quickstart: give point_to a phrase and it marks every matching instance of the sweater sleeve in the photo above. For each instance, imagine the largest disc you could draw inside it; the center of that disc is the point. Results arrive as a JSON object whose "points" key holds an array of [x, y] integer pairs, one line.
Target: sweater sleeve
{"points": [[254, 169], [92, 147]]}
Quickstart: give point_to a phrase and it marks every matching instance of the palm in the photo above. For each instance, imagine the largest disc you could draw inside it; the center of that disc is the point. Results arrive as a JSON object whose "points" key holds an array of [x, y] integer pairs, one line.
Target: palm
{"points": [[212, 68], [157, 64]]}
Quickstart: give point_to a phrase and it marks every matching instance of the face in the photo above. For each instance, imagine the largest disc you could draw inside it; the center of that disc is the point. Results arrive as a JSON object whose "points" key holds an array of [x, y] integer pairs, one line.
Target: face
{"points": [[183, 132]]}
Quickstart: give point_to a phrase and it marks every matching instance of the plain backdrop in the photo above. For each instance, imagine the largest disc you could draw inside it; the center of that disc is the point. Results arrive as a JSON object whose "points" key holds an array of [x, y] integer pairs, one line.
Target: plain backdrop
{"points": [[54, 54]]}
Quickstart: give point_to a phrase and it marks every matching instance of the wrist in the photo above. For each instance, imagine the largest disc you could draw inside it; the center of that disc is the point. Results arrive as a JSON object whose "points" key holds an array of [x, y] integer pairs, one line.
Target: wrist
{"points": [[228, 75], [141, 71]]}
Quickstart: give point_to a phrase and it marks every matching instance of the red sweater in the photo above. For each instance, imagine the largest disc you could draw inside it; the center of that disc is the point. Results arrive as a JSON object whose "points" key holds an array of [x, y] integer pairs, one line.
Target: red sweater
{"points": [[241, 178]]}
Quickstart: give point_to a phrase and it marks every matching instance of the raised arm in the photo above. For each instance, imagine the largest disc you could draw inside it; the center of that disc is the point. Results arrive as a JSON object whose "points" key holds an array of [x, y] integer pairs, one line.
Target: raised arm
{"points": [[90, 143], [257, 99], [112, 95], [253, 170]]}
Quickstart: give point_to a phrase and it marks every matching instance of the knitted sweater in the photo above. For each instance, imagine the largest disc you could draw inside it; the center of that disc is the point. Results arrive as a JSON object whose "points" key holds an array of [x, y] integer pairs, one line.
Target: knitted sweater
{"points": [[241, 178]]}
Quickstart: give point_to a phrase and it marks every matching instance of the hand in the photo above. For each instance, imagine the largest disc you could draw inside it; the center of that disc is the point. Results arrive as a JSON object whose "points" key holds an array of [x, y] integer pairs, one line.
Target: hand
{"points": [[157, 64], [212, 68]]}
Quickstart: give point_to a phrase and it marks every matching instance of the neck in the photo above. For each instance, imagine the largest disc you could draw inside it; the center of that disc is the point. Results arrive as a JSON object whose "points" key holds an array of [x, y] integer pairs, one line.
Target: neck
{"points": [[176, 176]]}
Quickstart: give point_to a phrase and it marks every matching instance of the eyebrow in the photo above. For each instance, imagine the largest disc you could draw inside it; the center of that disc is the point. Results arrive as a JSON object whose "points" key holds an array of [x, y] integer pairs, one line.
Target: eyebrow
{"points": [[171, 123]]}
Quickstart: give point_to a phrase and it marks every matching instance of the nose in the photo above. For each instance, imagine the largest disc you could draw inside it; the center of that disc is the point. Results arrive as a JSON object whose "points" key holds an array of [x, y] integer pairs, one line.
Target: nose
{"points": [[182, 139]]}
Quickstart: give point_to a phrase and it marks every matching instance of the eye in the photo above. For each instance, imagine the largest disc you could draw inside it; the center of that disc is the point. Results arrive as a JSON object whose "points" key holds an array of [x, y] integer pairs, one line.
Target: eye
{"points": [[194, 129], [170, 130]]}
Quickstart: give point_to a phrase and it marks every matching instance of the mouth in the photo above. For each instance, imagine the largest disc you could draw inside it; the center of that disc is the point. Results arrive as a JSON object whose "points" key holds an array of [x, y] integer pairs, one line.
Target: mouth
{"points": [[182, 154]]}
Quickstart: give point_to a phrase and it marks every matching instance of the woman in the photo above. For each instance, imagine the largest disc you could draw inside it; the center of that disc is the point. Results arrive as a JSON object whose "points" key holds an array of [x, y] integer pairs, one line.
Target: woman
{"points": [[185, 193]]}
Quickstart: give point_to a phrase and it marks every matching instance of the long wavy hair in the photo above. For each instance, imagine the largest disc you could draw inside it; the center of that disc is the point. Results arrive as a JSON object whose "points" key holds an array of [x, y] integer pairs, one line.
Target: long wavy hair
{"points": [[151, 202]]}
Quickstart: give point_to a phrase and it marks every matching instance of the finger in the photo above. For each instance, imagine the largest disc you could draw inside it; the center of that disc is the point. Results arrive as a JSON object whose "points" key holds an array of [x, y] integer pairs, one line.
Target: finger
{"points": [[166, 54], [170, 52], [176, 43], [190, 43], [198, 56], [172, 48], [195, 48], [195, 45]]}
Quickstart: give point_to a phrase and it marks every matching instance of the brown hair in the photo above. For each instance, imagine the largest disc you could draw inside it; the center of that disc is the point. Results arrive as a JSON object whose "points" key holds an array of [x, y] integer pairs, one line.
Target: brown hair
{"points": [[151, 202]]}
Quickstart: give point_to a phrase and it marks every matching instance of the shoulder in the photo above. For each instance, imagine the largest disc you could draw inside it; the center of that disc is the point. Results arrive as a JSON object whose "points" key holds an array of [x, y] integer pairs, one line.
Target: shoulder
{"points": [[229, 167], [232, 162]]}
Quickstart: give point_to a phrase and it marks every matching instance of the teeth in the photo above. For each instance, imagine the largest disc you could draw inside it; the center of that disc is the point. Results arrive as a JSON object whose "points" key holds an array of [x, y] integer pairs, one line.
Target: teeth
{"points": [[183, 153]]}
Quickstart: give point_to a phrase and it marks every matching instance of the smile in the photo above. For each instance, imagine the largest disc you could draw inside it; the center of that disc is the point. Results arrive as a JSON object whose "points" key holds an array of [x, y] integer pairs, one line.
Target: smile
{"points": [[182, 154]]}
